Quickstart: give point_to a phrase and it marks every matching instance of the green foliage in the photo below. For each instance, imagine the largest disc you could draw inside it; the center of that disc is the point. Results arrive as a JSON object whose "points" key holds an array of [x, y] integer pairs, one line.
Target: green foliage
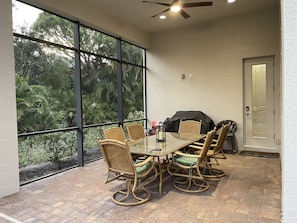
{"points": [[54, 29], [96, 112], [97, 43], [31, 151], [91, 136], [45, 86], [47, 147], [59, 145], [133, 89], [35, 107], [135, 115]]}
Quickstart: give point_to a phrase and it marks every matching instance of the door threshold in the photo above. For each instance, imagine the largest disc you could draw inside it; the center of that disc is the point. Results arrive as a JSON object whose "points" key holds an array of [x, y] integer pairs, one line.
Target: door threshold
{"points": [[260, 149]]}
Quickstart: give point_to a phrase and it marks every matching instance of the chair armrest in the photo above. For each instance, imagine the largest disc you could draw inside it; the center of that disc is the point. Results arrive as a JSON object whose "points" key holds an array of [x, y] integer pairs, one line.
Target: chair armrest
{"points": [[142, 163], [195, 147], [186, 154], [198, 143]]}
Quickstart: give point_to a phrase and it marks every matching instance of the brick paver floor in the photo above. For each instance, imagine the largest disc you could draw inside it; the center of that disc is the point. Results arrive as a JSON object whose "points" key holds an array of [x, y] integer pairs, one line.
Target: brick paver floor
{"points": [[250, 192]]}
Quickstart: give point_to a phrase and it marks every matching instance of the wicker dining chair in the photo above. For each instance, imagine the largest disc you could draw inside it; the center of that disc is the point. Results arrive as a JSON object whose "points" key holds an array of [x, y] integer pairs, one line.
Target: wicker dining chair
{"points": [[216, 148], [137, 174], [116, 133], [231, 137], [135, 131], [187, 168], [189, 126]]}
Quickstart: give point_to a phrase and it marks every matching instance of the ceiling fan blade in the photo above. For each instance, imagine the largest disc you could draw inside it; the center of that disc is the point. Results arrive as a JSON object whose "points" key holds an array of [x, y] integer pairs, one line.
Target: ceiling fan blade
{"points": [[159, 3], [166, 10], [184, 14], [196, 4], [183, 5]]}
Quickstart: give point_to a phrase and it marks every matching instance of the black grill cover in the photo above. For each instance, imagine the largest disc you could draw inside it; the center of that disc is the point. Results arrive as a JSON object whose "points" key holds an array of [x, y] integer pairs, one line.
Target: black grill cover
{"points": [[172, 123]]}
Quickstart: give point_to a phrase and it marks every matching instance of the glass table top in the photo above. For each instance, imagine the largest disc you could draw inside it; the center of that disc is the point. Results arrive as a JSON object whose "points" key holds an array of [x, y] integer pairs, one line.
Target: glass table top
{"points": [[174, 142]]}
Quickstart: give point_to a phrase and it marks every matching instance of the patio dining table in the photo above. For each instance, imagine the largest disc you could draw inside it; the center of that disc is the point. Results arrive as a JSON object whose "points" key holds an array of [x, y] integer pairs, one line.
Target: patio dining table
{"points": [[150, 146]]}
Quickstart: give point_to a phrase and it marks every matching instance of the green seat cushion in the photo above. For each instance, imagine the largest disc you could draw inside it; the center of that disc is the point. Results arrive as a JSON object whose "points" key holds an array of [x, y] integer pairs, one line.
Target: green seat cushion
{"points": [[188, 161], [141, 169]]}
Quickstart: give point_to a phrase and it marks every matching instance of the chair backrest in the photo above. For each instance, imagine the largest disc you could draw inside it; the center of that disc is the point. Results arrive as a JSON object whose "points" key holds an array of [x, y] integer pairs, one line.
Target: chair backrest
{"points": [[232, 126], [116, 133], [221, 138], [117, 156], [189, 126], [135, 131], [206, 145]]}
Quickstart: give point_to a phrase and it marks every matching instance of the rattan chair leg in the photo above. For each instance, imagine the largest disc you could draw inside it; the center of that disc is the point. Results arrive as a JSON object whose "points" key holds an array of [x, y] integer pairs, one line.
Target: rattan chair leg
{"points": [[191, 185], [131, 195]]}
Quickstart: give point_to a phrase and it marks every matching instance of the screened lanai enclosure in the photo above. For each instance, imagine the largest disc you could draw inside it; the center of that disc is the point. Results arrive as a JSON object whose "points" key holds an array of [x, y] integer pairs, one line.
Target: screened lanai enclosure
{"points": [[72, 81]]}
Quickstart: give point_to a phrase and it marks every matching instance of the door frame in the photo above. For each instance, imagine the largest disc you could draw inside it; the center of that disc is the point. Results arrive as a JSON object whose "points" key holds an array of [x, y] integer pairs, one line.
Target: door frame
{"points": [[259, 147]]}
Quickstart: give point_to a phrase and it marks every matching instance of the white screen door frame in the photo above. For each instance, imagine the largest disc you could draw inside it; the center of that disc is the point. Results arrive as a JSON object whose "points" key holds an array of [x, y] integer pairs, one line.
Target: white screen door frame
{"points": [[259, 111]]}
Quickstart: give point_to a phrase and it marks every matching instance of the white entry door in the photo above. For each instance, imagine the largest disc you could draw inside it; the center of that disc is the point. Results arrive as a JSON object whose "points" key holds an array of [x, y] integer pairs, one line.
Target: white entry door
{"points": [[259, 132]]}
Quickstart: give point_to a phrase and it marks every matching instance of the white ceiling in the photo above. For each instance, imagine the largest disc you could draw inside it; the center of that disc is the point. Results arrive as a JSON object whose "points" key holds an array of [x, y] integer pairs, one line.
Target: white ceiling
{"points": [[139, 14]]}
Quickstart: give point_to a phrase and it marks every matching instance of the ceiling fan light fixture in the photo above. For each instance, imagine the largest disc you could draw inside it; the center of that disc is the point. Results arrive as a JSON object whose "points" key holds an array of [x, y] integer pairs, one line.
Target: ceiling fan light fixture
{"points": [[231, 1], [178, 6], [175, 8], [162, 17]]}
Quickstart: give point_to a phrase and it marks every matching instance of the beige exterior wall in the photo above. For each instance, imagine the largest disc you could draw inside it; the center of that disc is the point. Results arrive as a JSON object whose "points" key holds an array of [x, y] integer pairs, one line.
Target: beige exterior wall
{"points": [[9, 165], [210, 55], [289, 109]]}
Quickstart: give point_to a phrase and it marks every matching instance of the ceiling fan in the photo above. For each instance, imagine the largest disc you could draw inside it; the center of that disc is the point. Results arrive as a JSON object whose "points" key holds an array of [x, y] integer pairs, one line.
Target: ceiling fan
{"points": [[178, 6]]}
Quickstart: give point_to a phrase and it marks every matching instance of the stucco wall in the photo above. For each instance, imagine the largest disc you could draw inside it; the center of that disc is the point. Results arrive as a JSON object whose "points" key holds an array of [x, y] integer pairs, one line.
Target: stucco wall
{"points": [[289, 160], [9, 169], [210, 55]]}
